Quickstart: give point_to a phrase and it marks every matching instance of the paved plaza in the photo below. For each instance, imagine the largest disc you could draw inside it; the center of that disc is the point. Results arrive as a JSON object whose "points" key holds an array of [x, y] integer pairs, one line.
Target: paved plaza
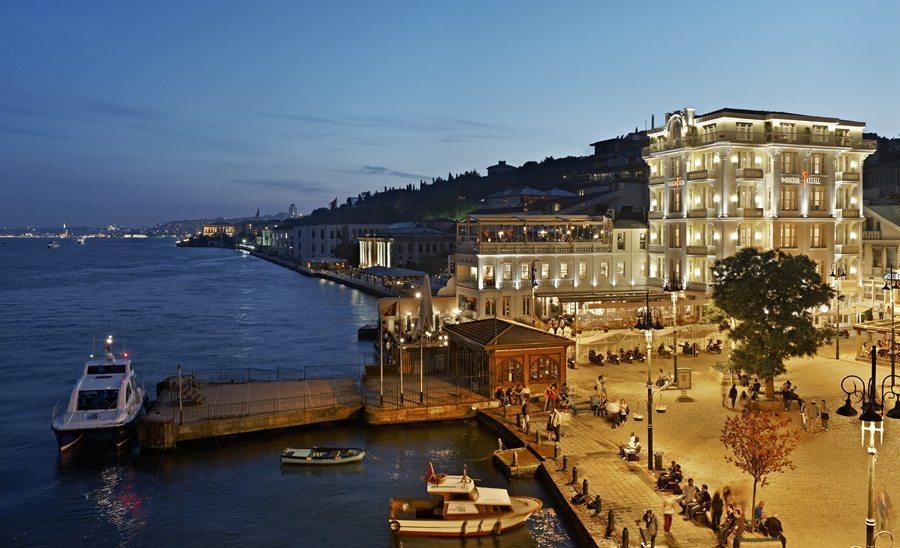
{"points": [[820, 503]]}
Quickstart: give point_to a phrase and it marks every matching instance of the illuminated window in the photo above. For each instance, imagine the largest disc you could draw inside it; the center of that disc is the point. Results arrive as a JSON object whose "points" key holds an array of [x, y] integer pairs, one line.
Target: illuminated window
{"points": [[604, 270], [545, 270], [787, 235], [789, 198], [816, 198], [620, 241], [818, 164], [507, 271], [507, 305], [620, 268], [582, 269], [789, 162], [563, 270], [744, 132], [524, 271], [816, 238]]}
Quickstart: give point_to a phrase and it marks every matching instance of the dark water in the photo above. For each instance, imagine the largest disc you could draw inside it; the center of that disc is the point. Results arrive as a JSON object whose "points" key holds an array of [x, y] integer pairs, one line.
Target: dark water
{"points": [[201, 308]]}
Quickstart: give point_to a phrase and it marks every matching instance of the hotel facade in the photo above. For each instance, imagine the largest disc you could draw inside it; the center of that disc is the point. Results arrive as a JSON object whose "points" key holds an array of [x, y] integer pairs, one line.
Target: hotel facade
{"points": [[734, 178]]}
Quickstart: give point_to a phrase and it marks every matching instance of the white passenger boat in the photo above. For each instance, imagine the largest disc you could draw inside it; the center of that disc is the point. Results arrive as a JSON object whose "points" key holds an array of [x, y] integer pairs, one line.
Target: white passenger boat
{"points": [[53, 245], [322, 455], [457, 508], [104, 405]]}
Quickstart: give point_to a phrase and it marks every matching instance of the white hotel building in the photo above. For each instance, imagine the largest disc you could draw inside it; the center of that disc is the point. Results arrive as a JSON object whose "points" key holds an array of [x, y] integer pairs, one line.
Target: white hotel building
{"points": [[520, 265], [736, 178]]}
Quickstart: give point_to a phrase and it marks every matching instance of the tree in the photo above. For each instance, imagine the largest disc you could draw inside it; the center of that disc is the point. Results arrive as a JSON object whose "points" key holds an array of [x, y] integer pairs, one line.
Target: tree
{"points": [[770, 297], [760, 445]]}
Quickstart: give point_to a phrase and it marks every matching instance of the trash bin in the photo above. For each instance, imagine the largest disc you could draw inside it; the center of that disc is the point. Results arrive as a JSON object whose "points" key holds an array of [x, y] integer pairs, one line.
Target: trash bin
{"points": [[657, 460]]}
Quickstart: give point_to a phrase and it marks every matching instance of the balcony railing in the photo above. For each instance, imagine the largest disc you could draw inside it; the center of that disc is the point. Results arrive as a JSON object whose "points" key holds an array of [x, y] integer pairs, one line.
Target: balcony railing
{"points": [[871, 235], [759, 138], [700, 212], [467, 281], [656, 282], [533, 248], [817, 213], [788, 212], [749, 173], [657, 179], [698, 175], [846, 249], [509, 284], [847, 176], [657, 214], [751, 212], [675, 214], [696, 286], [701, 250], [849, 213], [657, 249]]}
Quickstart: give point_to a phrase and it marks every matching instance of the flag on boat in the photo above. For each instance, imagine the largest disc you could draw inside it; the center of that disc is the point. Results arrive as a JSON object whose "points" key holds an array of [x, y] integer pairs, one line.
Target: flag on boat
{"points": [[429, 474]]}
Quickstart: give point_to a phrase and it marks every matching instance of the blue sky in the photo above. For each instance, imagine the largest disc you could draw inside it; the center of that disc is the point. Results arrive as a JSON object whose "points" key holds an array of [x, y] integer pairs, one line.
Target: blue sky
{"points": [[141, 112]]}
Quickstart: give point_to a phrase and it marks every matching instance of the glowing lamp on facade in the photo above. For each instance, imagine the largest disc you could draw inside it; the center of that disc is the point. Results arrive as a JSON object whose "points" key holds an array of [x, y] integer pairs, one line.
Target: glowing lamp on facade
{"points": [[716, 236], [734, 159], [697, 162], [734, 198], [852, 235], [823, 309], [734, 236], [757, 235], [758, 201], [852, 270], [853, 164], [716, 198], [757, 160], [500, 234], [653, 236], [716, 159], [418, 296], [853, 201], [696, 272]]}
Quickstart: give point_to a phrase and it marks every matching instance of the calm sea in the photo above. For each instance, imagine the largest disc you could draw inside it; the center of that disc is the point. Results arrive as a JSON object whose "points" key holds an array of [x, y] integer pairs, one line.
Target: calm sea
{"points": [[201, 308]]}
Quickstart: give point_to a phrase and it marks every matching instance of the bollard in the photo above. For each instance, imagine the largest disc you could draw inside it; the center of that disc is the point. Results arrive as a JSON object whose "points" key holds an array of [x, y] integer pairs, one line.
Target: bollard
{"points": [[624, 537], [504, 409], [515, 459], [565, 462], [518, 420], [574, 476], [537, 437], [596, 505], [584, 488], [610, 524], [527, 425], [499, 444], [556, 451]]}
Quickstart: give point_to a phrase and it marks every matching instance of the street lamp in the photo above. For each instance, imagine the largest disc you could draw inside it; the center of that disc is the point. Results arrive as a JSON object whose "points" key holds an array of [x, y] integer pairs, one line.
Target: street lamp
{"points": [[675, 285], [855, 388], [890, 284], [647, 321], [838, 273]]}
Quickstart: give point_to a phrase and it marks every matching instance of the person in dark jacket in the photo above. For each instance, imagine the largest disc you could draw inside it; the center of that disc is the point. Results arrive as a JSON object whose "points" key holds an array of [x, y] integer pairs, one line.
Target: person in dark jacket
{"points": [[716, 505], [774, 529], [732, 394], [701, 505]]}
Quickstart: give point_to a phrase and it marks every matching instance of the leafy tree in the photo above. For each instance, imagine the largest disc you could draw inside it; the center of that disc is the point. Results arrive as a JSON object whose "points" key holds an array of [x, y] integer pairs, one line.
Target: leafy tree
{"points": [[760, 445], [770, 297]]}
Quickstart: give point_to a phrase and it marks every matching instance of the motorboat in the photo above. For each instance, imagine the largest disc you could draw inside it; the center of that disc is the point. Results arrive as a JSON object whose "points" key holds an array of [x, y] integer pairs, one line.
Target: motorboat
{"points": [[104, 406], [457, 508], [322, 455], [53, 245], [80, 241]]}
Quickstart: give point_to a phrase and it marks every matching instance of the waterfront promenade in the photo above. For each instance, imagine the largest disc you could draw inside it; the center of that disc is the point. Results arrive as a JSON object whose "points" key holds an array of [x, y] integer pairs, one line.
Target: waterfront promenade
{"points": [[366, 286]]}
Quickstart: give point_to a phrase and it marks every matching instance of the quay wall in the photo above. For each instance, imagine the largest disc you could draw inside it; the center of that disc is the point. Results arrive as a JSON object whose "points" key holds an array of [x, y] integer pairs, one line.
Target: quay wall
{"points": [[362, 285]]}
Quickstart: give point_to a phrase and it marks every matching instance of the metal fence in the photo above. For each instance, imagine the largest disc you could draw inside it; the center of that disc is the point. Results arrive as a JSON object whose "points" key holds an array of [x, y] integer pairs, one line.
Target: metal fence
{"points": [[441, 377], [235, 375], [231, 410]]}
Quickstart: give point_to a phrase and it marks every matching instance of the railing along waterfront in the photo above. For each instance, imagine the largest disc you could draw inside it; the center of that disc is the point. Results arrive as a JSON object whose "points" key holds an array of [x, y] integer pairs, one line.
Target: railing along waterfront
{"points": [[290, 404], [238, 375], [776, 137]]}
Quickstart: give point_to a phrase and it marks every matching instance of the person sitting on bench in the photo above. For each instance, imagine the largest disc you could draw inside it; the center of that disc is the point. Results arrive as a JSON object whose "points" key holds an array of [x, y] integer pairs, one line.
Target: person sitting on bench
{"points": [[700, 504], [689, 493], [631, 449]]}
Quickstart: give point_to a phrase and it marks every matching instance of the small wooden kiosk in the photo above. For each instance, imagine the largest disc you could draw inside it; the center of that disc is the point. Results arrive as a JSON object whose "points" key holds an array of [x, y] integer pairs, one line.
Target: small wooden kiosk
{"points": [[515, 353]]}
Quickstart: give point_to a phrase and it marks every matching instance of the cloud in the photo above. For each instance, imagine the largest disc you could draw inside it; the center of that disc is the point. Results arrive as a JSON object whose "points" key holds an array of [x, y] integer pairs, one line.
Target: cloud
{"points": [[424, 123], [380, 170], [282, 185], [121, 110]]}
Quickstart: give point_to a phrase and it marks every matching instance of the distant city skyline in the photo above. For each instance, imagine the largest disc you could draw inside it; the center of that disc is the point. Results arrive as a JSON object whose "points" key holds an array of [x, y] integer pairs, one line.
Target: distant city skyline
{"points": [[142, 113]]}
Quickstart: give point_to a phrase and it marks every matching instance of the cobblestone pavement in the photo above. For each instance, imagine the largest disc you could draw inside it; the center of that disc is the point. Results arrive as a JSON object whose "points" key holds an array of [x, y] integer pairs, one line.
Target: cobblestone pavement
{"points": [[821, 503]]}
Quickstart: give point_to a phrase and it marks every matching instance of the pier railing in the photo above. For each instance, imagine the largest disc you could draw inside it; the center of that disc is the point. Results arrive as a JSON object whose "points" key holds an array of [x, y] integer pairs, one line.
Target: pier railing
{"points": [[236, 375], [231, 410]]}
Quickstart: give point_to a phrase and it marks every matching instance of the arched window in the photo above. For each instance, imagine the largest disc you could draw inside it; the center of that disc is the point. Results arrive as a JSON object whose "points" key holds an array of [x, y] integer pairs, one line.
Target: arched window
{"points": [[544, 369], [512, 371]]}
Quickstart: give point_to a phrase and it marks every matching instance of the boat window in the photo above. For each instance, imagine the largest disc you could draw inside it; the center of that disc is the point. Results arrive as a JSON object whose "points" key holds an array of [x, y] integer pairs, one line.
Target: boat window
{"points": [[97, 400], [105, 369]]}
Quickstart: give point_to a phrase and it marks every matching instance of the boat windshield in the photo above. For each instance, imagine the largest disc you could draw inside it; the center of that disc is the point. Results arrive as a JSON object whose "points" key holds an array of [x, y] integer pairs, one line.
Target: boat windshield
{"points": [[107, 369], [97, 400]]}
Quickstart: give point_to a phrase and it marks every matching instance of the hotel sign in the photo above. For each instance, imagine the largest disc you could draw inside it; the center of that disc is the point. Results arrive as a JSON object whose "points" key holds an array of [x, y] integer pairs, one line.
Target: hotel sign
{"points": [[792, 180]]}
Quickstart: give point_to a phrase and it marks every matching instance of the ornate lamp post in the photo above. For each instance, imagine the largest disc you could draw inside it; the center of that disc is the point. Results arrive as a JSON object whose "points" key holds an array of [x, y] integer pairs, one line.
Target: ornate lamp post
{"points": [[675, 285], [891, 282], [647, 321], [838, 273], [864, 393]]}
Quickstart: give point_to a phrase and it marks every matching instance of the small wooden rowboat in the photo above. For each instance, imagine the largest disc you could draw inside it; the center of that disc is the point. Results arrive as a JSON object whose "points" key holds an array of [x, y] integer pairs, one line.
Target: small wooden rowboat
{"points": [[322, 455]]}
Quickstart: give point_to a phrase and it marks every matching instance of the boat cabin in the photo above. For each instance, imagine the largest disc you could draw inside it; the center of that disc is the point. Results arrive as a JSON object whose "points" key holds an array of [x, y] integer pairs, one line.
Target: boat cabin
{"points": [[107, 384], [460, 498]]}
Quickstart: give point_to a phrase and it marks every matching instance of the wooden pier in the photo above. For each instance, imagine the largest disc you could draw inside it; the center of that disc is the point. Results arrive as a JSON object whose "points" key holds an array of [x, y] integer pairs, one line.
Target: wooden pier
{"points": [[236, 406]]}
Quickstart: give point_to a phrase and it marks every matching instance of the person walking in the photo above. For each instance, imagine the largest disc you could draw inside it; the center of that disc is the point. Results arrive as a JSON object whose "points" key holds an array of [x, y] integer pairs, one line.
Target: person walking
{"points": [[669, 506], [732, 394], [649, 526], [555, 423], [804, 416], [623, 412], [716, 507], [613, 410], [823, 414], [884, 510]]}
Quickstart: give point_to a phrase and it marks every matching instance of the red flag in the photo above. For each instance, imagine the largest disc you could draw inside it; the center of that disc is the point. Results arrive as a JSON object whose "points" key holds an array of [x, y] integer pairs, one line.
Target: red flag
{"points": [[430, 473]]}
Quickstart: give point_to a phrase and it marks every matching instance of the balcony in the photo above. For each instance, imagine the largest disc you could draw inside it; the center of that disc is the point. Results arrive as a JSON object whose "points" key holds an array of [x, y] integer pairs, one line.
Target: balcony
{"points": [[751, 212], [534, 248], [789, 213], [697, 286], [675, 214], [467, 281], [852, 176], [703, 250], [657, 179], [872, 235], [846, 249], [849, 213], [657, 249], [657, 214], [749, 173], [655, 282], [700, 213], [758, 138], [699, 175], [817, 213], [509, 284]]}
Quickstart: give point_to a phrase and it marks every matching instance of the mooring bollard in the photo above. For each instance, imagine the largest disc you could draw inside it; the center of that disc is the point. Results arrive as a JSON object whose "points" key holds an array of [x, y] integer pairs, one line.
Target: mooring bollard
{"points": [[518, 420], [515, 459], [596, 505], [624, 537], [537, 437], [527, 425], [499, 444], [574, 476], [556, 451], [584, 488], [610, 524], [565, 462]]}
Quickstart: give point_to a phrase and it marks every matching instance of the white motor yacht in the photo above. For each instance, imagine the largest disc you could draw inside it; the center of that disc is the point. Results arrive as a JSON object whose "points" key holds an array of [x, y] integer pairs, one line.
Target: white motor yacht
{"points": [[104, 405]]}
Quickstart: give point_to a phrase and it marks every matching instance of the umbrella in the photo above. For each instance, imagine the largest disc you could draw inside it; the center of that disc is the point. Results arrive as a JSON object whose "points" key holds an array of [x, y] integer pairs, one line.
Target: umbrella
{"points": [[426, 309]]}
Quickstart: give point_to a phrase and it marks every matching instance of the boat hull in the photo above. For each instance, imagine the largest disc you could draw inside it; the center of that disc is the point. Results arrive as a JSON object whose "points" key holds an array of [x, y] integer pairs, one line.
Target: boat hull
{"points": [[469, 527], [117, 438], [290, 456]]}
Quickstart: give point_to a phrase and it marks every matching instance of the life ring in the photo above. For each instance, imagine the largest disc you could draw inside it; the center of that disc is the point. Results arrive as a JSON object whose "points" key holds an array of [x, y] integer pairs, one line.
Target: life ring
{"points": [[395, 525], [495, 530]]}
